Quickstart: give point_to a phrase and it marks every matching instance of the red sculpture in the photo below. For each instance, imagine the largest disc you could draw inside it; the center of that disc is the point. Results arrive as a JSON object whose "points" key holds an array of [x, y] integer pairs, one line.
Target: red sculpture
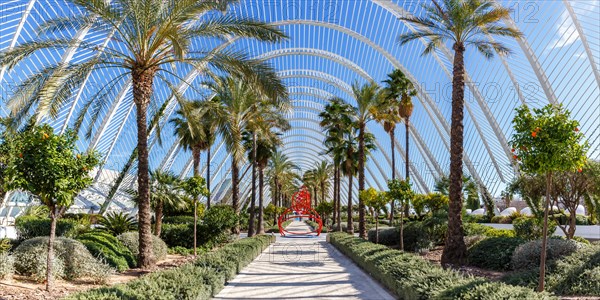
{"points": [[301, 208]]}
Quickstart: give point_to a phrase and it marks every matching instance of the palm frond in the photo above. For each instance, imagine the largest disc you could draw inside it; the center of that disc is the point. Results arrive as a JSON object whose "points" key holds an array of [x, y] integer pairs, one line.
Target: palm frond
{"points": [[240, 27]]}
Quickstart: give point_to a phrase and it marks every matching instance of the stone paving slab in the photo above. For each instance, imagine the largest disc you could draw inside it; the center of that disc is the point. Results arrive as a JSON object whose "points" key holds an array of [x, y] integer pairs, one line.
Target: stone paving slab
{"points": [[303, 267]]}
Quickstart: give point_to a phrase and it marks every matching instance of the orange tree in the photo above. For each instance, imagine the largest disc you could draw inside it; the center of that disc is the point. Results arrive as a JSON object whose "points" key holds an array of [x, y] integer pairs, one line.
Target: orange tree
{"points": [[401, 191], [547, 141], [195, 186], [49, 167]]}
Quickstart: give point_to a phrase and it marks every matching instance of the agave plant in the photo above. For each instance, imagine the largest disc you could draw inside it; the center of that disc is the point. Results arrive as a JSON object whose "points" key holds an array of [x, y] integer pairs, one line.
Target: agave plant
{"points": [[118, 222]]}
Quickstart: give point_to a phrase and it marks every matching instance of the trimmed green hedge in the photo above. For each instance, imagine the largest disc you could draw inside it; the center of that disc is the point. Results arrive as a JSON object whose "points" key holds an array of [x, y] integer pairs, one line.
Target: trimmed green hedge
{"points": [[494, 253], [198, 280], [577, 274], [29, 227], [411, 277], [107, 247]]}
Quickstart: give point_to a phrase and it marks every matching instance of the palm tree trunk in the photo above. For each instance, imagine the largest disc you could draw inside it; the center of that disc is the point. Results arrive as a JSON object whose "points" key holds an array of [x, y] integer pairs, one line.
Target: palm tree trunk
{"points": [[545, 233], [252, 219], [407, 126], [261, 222], [235, 189], [158, 223], [196, 158], [350, 226], [339, 200], [392, 133], [455, 249], [322, 192], [142, 92], [362, 229], [208, 177], [276, 200], [334, 219], [50, 258]]}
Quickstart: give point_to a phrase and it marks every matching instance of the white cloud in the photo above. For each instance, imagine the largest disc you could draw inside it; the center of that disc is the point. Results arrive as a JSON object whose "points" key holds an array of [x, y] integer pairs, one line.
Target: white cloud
{"points": [[566, 32]]}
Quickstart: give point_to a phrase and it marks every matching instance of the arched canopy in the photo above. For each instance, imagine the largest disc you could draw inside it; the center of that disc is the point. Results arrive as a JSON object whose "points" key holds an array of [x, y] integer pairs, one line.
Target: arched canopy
{"points": [[333, 44]]}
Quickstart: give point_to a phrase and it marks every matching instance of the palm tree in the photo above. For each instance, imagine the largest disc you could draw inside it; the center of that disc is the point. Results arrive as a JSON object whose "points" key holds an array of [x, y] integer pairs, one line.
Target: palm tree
{"points": [[165, 190], [368, 97], [322, 175], [349, 169], [237, 106], [309, 180], [388, 116], [264, 151], [400, 87], [196, 133], [336, 119], [148, 38], [281, 172], [261, 137], [463, 23]]}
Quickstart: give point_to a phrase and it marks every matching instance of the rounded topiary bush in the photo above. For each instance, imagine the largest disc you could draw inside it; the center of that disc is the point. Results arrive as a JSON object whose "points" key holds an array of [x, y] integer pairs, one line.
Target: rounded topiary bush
{"points": [[527, 256], [532, 228], [494, 253], [131, 241], [108, 248], [72, 260], [6, 265]]}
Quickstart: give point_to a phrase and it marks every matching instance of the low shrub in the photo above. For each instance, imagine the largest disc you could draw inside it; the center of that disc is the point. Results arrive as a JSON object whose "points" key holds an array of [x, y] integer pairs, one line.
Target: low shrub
{"points": [[5, 245], [72, 260], [480, 229], [494, 253], [182, 234], [275, 228], [313, 225], [411, 277], [582, 220], [179, 219], [581, 240], [532, 228], [471, 240], [132, 242], [6, 265], [482, 289], [576, 274], [181, 251], [179, 234], [198, 280], [29, 227], [475, 219], [416, 236], [501, 220], [109, 249], [527, 256]]}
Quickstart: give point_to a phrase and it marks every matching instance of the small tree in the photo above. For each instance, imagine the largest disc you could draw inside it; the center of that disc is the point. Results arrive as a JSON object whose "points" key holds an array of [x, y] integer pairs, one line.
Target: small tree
{"points": [[325, 208], [401, 191], [376, 201], [195, 186], [49, 167], [547, 141]]}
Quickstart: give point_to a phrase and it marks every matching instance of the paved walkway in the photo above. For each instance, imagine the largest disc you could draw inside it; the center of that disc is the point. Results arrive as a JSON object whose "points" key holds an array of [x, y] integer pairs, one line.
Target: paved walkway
{"points": [[302, 267]]}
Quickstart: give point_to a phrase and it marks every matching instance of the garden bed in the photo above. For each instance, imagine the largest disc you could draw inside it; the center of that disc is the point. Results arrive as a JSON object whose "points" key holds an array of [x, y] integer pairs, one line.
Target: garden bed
{"points": [[409, 276], [22, 287], [217, 266]]}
